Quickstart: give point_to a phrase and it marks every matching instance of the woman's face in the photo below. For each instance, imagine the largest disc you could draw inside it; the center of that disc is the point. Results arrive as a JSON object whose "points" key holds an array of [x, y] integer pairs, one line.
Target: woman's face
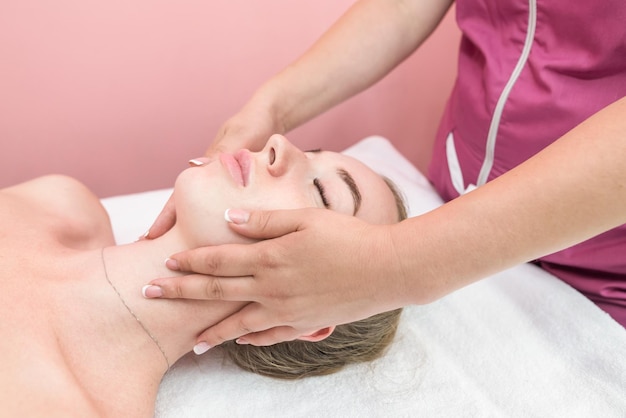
{"points": [[279, 177]]}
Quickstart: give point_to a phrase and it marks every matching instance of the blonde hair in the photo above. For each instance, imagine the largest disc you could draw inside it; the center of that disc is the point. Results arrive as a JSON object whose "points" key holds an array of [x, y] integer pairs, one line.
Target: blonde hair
{"points": [[355, 342]]}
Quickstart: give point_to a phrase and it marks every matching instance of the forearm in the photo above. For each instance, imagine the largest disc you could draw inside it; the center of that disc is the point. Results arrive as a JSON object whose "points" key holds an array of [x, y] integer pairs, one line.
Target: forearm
{"points": [[367, 42], [569, 192]]}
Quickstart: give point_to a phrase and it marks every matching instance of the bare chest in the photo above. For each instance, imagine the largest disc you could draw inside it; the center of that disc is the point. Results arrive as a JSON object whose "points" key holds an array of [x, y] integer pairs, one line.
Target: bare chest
{"points": [[34, 378]]}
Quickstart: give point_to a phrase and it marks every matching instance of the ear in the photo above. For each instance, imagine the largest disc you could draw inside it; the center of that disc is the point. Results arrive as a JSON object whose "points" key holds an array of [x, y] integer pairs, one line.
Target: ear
{"points": [[318, 335]]}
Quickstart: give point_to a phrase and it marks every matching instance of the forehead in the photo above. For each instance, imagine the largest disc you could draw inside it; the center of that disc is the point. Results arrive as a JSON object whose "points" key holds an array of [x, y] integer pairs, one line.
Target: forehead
{"points": [[378, 204]]}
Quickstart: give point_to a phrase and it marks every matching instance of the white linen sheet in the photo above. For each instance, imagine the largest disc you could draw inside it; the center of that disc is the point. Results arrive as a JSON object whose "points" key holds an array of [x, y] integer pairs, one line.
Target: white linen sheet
{"points": [[518, 344]]}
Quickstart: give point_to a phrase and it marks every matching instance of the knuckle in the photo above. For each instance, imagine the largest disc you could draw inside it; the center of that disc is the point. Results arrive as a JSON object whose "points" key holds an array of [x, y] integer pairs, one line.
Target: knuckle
{"points": [[211, 262], [179, 288], [267, 259], [178, 291], [288, 317], [213, 289], [217, 339], [262, 219], [243, 327]]}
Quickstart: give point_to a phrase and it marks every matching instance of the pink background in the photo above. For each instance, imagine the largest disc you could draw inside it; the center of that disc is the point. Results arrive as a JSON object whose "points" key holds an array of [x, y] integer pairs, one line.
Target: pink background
{"points": [[120, 94]]}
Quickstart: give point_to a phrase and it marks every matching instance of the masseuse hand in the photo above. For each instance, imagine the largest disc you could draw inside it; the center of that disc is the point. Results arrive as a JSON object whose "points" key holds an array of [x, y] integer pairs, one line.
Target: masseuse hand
{"points": [[324, 269], [250, 129]]}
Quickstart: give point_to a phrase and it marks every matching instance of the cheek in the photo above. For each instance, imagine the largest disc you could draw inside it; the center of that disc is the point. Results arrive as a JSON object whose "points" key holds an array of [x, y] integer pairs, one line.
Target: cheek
{"points": [[199, 212], [203, 223], [201, 203]]}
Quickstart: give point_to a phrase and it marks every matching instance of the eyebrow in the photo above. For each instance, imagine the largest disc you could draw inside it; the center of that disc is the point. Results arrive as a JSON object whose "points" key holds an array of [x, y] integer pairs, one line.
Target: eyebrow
{"points": [[354, 189], [349, 180]]}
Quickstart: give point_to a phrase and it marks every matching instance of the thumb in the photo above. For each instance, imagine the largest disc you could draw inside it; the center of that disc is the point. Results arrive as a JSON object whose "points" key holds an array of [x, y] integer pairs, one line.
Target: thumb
{"points": [[263, 224], [163, 222]]}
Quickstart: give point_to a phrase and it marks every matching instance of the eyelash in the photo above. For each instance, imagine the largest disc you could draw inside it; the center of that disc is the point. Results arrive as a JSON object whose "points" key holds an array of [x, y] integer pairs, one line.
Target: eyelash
{"points": [[322, 192]]}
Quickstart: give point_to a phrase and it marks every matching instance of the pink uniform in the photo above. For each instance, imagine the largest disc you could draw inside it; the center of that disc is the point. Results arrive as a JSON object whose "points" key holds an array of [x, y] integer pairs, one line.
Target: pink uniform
{"points": [[529, 71]]}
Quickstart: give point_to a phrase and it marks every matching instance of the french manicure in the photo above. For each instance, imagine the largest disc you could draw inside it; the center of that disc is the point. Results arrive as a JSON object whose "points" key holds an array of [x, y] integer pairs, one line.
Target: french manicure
{"points": [[236, 216], [241, 341], [151, 291], [197, 162], [171, 264], [201, 348]]}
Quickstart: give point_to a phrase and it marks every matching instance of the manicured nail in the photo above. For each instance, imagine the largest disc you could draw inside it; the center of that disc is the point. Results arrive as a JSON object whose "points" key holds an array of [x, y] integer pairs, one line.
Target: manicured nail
{"points": [[144, 235], [151, 291], [201, 348], [197, 162], [171, 264], [241, 341], [236, 216]]}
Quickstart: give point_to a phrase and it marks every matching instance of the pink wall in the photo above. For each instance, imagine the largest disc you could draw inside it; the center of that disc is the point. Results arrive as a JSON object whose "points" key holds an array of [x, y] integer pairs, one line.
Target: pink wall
{"points": [[120, 94]]}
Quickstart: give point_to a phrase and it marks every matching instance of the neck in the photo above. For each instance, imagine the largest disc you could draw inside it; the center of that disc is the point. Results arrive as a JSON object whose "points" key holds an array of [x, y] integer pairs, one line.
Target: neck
{"points": [[123, 344], [175, 324]]}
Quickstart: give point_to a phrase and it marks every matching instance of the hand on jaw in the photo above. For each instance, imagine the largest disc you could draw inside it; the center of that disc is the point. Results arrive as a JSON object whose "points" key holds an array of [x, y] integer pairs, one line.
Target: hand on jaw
{"points": [[291, 281]]}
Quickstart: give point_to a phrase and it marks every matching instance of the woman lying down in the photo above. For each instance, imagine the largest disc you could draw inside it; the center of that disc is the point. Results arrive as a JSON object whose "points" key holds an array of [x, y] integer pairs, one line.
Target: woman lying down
{"points": [[78, 338]]}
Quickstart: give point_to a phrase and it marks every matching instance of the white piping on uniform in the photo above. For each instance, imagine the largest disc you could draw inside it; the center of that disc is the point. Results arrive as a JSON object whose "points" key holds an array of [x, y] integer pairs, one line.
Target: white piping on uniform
{"points": [[456, 175], [453, 162], [497, 114]]}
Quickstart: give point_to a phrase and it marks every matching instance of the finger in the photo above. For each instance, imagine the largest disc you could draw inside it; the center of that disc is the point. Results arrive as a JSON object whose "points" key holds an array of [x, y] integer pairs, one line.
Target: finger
{"points": [[243, 260], [246, 321], [198, 286], [261, 224], [229, 260], [270, 337], [165, 221]]}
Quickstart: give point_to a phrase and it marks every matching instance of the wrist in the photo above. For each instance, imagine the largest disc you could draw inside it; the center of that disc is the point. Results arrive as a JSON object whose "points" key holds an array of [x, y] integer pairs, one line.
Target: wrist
{"points": [[390, 283], [250, 128], [273, 100], [415, 280]]}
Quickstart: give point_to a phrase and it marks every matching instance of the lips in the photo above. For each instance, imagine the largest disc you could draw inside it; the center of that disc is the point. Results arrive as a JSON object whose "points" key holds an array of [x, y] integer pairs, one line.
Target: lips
{"points": [[238, 166]]}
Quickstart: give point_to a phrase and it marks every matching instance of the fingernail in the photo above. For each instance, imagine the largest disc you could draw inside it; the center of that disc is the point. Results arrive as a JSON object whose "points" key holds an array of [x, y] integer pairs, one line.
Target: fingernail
{"points": [[171, 264], [201, 348], [241, 341], [151, 291], [236, 216], [197, 162]]}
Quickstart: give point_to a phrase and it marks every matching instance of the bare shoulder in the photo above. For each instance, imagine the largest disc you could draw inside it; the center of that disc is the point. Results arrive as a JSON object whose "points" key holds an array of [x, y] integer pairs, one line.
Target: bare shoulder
{"points": [[59, 206]]}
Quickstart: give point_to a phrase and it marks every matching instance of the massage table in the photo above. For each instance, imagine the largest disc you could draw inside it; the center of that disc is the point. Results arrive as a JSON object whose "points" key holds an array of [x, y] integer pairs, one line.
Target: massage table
{"points": [[520, 343]]}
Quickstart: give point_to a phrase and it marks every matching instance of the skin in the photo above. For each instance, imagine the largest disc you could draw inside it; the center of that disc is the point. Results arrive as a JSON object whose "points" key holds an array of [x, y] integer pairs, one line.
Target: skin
{"points": [[70, 347], [509, 221]]}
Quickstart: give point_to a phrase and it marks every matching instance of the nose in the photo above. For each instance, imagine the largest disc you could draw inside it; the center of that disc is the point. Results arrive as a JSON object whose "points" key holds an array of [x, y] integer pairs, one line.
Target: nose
{"points": [[281, 155]]}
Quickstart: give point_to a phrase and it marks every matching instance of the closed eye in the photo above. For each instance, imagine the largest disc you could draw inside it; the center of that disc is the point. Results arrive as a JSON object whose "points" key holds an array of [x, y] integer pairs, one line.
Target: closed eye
{"points": [[322, 192]]}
